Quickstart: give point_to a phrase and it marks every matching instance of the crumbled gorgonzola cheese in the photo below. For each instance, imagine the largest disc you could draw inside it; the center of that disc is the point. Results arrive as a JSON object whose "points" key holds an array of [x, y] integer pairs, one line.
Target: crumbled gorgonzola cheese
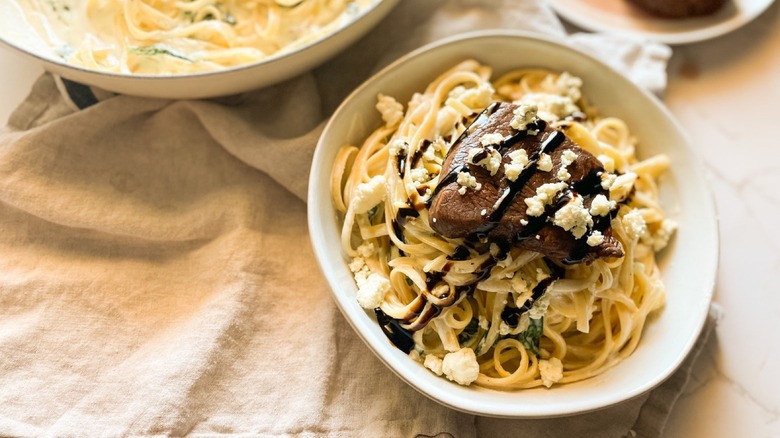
{"points": [[607, 179], [475, 97], [635, 224], [563, 174], [574, 217], [524, 115], [398, 145], [493, 138], [539, 308], [504, 329], [433, 363], [491, 162], [392, 112], [550, 106], [467, 180], [368, 194], [518, 160], [567, 157], [568, 85], [595, 238], [551, 371], [372, 286], [503, 263], [357, 264], [601, 206], [430, 153], [545, 163], [545, 193], [419, 174], [371, 290], [461, 366], [366, 249]]}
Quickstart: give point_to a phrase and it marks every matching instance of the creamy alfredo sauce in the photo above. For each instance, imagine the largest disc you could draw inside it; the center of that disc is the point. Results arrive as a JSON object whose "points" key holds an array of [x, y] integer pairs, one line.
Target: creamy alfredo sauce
{"points": [[169, 37]]}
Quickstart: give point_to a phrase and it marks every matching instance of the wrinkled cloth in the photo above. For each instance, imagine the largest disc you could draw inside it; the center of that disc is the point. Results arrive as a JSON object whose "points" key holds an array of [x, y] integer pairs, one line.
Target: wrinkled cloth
{"points": [[156, 276]]}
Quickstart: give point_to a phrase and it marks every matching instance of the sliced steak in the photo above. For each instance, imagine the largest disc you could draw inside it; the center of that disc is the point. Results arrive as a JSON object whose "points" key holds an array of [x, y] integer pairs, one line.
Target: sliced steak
{"points": [[493, 207]]}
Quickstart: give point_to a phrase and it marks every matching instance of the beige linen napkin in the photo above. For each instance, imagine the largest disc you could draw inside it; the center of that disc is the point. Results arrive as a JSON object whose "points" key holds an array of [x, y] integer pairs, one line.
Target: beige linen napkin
{"points": [[156, 276]]}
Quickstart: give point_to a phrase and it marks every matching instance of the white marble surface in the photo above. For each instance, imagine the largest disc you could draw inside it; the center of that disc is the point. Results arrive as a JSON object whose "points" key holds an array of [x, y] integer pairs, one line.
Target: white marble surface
{"points": [[726, 92]]}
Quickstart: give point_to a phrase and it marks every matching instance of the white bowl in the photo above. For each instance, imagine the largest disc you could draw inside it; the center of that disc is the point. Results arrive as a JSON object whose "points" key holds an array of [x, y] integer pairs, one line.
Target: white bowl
{"points": [[689, 264], [17, 33]]}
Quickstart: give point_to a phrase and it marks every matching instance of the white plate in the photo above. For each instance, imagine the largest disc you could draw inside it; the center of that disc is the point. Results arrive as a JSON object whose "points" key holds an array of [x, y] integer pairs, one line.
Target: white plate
{"points": [[688, 265], [17, 33], [619, 16]]}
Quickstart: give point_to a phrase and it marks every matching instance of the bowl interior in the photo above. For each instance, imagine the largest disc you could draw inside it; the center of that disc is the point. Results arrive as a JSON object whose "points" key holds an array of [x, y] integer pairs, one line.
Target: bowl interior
{"points": [[688, 264], [17, 32]]}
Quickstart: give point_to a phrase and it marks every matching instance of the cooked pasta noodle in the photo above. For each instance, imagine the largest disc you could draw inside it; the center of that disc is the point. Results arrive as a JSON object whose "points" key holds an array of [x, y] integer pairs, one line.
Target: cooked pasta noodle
{"points": [[458, 308], [184, 36]]}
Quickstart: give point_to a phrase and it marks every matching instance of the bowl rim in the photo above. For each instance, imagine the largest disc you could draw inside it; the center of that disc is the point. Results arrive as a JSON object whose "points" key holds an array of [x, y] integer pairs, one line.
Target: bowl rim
{"points": [[707, 27], [377, 5], [316, 234]]}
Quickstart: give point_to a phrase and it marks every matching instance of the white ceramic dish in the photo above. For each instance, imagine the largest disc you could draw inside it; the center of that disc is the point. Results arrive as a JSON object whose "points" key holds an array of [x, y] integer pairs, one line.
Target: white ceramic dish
{"points": [[17, 33], [689, 264], [619, 16]]}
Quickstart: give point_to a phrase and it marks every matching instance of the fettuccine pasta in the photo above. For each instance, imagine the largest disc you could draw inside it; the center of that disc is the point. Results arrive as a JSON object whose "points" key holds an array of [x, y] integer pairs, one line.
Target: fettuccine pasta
{"points": [[183, 36], [498, 318]]}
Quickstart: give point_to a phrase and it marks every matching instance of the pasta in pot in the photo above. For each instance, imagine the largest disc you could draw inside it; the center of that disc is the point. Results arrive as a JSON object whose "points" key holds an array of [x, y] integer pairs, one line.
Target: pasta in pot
{"points": [[476, 310], [184, 36]]}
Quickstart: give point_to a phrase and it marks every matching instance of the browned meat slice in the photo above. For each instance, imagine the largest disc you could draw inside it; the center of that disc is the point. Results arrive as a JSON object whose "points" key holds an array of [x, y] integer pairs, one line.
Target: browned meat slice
{"points": [[679, 8], [493, 206]]}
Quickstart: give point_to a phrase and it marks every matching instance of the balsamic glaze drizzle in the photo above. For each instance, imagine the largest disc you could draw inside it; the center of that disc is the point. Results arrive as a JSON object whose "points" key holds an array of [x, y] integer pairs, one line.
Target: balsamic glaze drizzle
{"points": [[461, 253], [424, 145], [549, 144], [401, 160], [511, 315], [399, 336], [422, 310]]}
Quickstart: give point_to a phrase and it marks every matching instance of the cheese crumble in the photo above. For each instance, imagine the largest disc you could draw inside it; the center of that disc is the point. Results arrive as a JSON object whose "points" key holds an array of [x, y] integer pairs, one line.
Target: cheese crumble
{"points": [[544, 195], [601, 206], [368, 194], [574, 217], [491, 162], [595, 238], [567, 157], [433, 363], [372, 286], [461, 366], [550, 106], [545, 163], [392, 112], [518, 161], [467, 180], [551, 371], [491, 139], [524, 115], [398, 145], [635, 224]]}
